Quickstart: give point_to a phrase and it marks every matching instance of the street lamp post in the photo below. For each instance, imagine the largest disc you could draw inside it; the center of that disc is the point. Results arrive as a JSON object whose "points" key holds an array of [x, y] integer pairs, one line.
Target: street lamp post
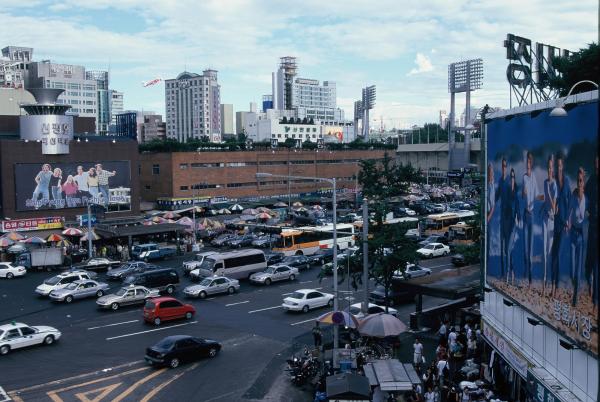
{"points": [[335, 247]]}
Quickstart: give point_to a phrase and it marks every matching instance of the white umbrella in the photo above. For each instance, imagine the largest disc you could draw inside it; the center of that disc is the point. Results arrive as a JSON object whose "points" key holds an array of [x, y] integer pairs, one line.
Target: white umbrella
{"points": [[236, 207], [381, 325]]}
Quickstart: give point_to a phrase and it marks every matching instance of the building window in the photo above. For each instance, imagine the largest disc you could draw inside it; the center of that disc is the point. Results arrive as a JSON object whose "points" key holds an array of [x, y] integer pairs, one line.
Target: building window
{"points": [[155, 169], [183, 166], [183, 188], [147, 187]]}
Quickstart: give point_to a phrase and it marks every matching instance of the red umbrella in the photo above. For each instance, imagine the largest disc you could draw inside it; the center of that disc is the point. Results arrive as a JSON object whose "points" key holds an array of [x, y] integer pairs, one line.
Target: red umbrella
{"points": [[54, 237], [14, 236], [72, 232]]}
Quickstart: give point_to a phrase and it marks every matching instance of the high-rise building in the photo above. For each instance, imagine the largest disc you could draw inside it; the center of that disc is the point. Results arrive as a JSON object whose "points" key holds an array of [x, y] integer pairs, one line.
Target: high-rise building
{"points": [[13, 66], [103, 115], [240, 121], [227, 127], [153, 128], [192, 106], [116, 105]]}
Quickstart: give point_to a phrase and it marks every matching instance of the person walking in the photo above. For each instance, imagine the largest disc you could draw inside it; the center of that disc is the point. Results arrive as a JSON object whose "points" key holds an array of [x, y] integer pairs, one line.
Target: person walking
{"points": [[442, 370], [443, 331], [550, 195], [418, 353], [561, 217], [317, 335]]}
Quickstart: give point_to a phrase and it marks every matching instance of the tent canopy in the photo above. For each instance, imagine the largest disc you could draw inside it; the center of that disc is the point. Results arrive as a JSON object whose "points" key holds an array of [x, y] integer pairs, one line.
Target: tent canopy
{"points": [[348, 386], [391, 375]]}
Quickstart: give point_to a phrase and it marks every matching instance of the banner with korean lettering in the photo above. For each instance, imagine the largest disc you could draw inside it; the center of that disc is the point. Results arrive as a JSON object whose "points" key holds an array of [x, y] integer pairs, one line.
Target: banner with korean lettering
{"points": [[23, 225], [542, 217], [50, 186]]}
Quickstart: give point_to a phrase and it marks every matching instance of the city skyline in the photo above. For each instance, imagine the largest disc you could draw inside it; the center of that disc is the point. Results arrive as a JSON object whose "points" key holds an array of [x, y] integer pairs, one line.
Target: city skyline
{"points": [[405, 52]]}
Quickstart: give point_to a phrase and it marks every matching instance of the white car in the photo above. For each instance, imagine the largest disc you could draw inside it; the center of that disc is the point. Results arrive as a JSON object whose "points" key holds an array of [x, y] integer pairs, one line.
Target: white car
{"points": [[60, 281], [307, 299], [18, 335], [409, 212], [277, 272], [356, 311], [8, 271], [412, 271], [434, 250]]}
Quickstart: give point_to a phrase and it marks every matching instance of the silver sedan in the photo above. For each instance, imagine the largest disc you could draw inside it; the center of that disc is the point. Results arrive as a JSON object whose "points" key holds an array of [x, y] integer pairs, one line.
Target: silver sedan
{"points": [[79, 290], [212, 285], [275, 273]]}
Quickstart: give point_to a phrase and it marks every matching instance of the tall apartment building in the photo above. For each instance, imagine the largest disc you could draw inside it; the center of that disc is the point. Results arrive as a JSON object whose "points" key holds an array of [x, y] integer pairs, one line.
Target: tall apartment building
{"points": [[13, 64], [103, 115], [116, 105], [227, 127], [153, 128], [193, 106]]}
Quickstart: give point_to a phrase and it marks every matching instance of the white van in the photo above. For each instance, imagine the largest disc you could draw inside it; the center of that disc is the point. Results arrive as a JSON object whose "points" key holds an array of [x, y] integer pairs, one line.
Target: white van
{"points": [[189, 266], [238, 264]]}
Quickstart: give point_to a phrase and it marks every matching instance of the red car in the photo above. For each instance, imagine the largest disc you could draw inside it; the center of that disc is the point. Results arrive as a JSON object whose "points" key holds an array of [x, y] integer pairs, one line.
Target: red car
{"points": [[159, 309]]}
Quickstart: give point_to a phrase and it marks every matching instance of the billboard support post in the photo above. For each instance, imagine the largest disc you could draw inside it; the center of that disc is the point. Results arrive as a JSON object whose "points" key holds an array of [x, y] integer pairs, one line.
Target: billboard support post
{"points": [[89, 234]]}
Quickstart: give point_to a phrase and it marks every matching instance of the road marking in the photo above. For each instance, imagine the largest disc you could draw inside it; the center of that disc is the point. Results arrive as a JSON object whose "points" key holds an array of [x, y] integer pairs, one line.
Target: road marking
{"points": [[53, 394], [437, 266], [132, 388], [235, 304], [150, 330], [302, 322], [306, 282], [345, 291], [84, 396], [263, 309], [210, 298], [112, 325], [4, 395], [220, 396], [157, 389]]}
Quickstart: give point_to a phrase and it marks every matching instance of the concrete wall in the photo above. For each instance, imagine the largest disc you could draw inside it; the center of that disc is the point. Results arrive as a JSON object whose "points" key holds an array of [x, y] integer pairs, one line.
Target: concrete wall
{"points": [[11, 98]]}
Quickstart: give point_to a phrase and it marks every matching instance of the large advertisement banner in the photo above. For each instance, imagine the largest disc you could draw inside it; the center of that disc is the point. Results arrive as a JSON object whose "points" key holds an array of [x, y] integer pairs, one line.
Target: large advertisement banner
{"points": [[73, 185], [542, 217]]}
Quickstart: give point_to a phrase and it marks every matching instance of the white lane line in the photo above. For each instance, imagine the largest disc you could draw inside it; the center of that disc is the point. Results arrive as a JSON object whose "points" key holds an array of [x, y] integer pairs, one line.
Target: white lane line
{"points": [[302, 322], [263, 309], [235, 304], [346, 291], [150, 330], [112, 325], [287, 294], [210, 298], [438, 266], [306, 282]]}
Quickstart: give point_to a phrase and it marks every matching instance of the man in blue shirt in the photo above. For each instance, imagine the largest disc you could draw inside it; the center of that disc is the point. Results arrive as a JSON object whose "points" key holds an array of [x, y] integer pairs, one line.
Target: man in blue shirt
{"points": [[42, 187], [561, 219]]}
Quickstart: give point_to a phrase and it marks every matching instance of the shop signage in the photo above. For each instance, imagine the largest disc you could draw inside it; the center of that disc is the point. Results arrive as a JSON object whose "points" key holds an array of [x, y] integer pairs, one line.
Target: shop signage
{"points": [[23, 225], [55, 132], [509, 353]]}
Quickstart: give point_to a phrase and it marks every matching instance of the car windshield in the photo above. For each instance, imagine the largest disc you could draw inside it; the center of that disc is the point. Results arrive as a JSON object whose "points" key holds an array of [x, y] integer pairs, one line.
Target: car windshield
{"points": [[429, 247], [149, 305], [297, 295], [72, 286], [269, 270], [52, 281], [165, 344], [206, 282], [207, 264], [121, 292]]}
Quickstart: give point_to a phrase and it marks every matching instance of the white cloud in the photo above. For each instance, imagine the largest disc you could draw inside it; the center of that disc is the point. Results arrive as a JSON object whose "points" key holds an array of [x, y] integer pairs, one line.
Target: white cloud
{"points": [[423, 65]]}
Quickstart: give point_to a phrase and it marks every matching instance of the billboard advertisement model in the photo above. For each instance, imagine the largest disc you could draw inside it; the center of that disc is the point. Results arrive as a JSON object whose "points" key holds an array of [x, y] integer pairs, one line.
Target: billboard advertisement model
{"points": [[73, 185], [542, 217]]}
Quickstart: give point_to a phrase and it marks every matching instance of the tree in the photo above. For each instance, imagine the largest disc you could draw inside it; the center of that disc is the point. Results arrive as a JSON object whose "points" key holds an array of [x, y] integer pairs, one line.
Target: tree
{"points": [[581, 65]]}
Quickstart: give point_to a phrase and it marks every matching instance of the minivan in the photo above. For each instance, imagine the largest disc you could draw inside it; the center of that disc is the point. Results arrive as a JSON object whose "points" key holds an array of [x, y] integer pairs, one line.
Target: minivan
{"points": [[165, 280], [234, 264]]}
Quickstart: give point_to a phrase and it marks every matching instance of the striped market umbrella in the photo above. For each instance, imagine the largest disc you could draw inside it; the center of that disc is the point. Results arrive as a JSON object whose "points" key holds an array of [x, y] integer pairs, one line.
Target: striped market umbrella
{"points": [[224, 211], [185, 221], [14, 236], [317, 207], [263, 215], [171, 215], [159, 219], [297, 204], [250, 211], [6, 242], [280, 204], [236, 208], [63, 243], [94, 236], [72, 232], [54, 238], [33, 240], [381, 325], [339, 318], [148, 223]]}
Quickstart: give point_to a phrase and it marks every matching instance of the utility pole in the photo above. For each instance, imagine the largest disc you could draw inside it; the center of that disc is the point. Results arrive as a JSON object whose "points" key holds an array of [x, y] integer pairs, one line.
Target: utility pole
{"points": [[89, 233], [365, 244]]}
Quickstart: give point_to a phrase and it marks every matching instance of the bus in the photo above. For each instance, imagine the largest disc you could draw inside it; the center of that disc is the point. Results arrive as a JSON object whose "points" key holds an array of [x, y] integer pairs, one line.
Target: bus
{"points": [[239, 264], [411, 224], [306, 240], [461, 234], [439, 223]]}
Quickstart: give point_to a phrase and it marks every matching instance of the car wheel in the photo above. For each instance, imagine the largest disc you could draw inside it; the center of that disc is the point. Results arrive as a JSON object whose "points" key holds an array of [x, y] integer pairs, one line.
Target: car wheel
{"points": [[114, 306], [170, 289], [268, 281], [49, 340], [445, 253], [430, 255], [188, 315], [69, 299], [202, 295], [157, 321], [428, 273], [212, 352], [4, 349], [231, 290], [299, 252], [99, 293], [174, 363], [305, 309], [9, 275], [330, 303], [292, 277]]}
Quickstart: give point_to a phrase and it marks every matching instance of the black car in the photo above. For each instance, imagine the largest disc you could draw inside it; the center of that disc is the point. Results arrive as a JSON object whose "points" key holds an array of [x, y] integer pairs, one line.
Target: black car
{"points": [[322, 256], [176, 349], [395, 296], [221, 240], [263, 241], [274, 258], [165, 280], [241, 241], [129, 268], [298, 261], [459, 260]]}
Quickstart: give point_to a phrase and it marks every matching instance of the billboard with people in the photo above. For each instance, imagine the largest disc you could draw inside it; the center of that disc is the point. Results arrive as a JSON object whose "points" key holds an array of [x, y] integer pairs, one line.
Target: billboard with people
{"points": [[542, 217], [49, 186]]}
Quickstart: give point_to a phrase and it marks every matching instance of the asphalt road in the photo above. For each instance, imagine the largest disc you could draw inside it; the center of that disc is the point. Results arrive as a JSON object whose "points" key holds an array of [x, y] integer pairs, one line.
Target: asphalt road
{"points": [[100, 354]]}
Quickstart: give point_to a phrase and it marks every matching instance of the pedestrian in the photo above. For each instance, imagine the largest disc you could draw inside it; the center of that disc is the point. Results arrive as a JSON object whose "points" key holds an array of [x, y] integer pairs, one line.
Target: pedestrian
{"points": [[430, 395], [317, 335], [440, 351], [471, 347], [442, 370], [418, 352], [443, 331]]}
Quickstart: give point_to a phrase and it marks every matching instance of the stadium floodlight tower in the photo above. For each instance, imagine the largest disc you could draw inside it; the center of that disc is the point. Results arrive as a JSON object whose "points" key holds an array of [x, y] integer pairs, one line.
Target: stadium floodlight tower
{"points": [[368, 103], [463, 76], [358, 112]]}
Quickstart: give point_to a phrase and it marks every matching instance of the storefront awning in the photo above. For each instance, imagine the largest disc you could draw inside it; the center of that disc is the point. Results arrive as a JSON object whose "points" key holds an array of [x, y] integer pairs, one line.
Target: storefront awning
{"points": [[391, 375]]}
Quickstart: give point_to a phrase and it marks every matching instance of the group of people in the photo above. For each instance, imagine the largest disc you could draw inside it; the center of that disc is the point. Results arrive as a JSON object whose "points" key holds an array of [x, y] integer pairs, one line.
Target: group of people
{"points": [[567, 213], [79, 188]]}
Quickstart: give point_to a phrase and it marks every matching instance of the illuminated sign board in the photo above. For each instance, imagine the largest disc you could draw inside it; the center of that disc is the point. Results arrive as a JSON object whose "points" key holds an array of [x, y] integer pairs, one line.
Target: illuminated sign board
{"points": [[55, 132]]}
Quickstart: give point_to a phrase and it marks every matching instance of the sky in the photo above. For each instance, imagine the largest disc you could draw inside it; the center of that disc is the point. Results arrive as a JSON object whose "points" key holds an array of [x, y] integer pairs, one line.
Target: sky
{"points": [[402, 47]]}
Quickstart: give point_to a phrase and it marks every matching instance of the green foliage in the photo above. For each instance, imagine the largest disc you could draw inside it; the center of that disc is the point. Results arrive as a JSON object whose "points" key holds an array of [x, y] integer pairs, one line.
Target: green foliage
{"points": [[472, 253], [581, 65]]}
